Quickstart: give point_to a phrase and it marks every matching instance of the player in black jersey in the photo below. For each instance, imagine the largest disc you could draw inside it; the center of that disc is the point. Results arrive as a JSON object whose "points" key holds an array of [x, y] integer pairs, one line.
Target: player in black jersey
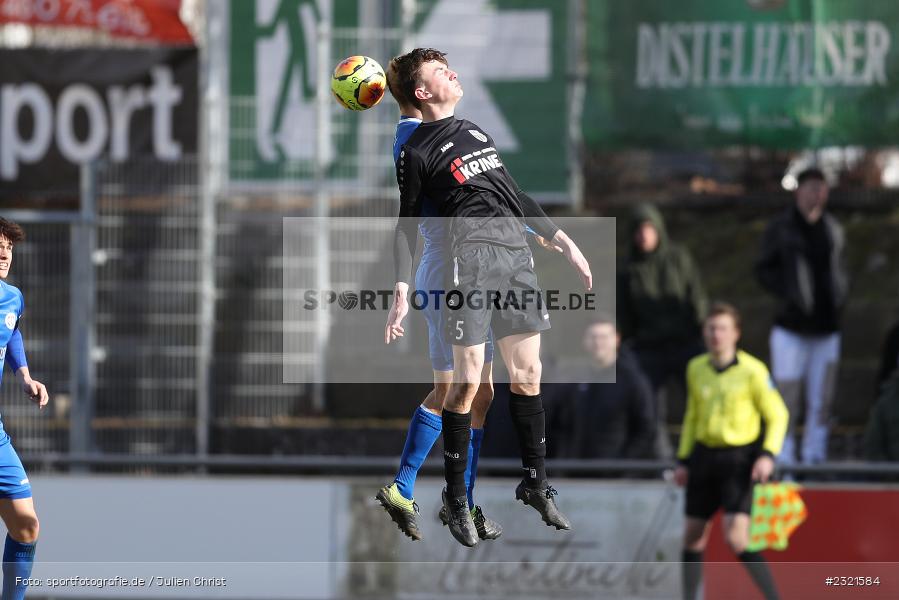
{"points": [[455, 164]]}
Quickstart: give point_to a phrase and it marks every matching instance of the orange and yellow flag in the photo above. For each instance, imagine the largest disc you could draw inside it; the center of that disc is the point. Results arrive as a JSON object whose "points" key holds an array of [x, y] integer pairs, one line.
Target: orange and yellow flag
{"points": [[777, 510]]}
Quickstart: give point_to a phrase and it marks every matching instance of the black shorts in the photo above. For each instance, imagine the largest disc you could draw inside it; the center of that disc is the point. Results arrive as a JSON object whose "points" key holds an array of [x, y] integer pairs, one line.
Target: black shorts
{"points": [[492, 286], [720, 478]]}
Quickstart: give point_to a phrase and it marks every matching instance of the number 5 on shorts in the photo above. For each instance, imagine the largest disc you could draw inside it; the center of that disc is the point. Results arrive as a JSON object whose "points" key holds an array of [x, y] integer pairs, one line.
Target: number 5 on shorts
{"points": [[459, 332]]}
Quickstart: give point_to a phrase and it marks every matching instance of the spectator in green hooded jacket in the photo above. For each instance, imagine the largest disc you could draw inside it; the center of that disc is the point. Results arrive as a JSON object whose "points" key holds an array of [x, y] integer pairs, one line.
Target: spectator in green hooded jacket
{"points": [[882, 433], [661, 304]]}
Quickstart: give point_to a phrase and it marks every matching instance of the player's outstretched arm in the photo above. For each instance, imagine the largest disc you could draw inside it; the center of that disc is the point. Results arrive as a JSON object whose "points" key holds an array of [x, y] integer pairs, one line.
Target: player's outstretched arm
{"points": [[575, 257], [537, 220], [404, 251], [409, 176], [535, 217], [15, 355], [399, 309], [33, 388]]}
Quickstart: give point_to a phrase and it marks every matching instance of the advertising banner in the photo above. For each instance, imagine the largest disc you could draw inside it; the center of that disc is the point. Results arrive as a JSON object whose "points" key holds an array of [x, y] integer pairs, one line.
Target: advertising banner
{"points": [[150, 20], [62, 108], [772, 73], [511, 57]]}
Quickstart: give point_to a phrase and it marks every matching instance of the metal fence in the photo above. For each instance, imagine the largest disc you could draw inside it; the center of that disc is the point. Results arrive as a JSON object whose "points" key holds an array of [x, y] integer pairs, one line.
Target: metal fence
{"points": [[42, 270], [146, 264], [177, 271]]}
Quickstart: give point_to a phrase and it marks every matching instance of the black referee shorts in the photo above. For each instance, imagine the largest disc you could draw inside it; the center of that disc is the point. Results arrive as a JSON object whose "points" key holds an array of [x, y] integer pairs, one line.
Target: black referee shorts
{"points": [[720, 478], [492, 286]]}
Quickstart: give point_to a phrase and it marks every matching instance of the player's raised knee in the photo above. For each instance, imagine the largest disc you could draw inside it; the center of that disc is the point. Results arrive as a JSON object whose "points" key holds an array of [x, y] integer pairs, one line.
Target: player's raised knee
{"points": [[25, 530], [434, 401], [460, 397], [463, 389], [528, 378]]}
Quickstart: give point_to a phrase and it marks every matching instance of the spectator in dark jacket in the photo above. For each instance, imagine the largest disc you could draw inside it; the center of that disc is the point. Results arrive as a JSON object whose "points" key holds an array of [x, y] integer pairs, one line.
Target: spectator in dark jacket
{"points": [[889, 357], [603, 420], [882, 433], [660, 307], [802, 264]]}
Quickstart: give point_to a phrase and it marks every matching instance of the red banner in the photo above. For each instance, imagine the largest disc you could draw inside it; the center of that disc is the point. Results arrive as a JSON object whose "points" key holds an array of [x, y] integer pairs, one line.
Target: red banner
{"points": [[152, 20], [847, 549]]}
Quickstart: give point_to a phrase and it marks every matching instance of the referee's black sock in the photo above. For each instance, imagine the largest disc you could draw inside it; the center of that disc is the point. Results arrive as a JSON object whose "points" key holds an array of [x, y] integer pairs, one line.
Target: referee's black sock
{"points": [[456, 437], [530, 425], [758, 569], [691, 572]]}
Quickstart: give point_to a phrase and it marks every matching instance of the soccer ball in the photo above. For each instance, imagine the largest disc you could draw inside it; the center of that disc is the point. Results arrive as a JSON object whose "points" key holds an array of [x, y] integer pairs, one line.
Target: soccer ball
{"points": [[358, 83]]}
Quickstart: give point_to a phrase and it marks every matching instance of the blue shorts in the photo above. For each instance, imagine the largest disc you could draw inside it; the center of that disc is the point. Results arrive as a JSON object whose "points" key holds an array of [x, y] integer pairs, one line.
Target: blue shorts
{"points": [[430, 276], [13, 480]]}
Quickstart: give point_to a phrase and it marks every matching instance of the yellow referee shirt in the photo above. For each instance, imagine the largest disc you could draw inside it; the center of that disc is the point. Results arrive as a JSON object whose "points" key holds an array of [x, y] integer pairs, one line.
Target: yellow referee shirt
{"points": [[725, 408]]}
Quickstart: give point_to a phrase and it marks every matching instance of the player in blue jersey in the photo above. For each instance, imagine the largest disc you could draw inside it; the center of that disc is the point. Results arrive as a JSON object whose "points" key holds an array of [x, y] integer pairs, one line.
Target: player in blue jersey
{"points": [[425, 427], [16, 505]]}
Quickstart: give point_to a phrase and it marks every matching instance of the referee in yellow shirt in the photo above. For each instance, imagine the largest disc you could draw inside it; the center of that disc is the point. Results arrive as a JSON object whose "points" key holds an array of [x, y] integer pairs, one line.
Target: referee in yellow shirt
{"points": [[729, 394]]}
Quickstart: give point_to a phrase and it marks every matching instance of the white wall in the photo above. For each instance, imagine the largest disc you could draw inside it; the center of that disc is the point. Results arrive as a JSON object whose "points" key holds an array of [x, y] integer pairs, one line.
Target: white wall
{"points": [[313, 538]]}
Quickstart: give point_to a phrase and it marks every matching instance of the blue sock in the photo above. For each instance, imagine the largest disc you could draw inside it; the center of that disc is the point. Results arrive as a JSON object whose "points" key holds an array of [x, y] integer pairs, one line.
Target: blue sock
{"points": [[424, 429], [17, 561], [471, 472]]}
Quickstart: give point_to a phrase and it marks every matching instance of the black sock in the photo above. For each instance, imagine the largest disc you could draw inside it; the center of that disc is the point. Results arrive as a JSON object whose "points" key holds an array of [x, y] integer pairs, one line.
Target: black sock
{"points": [[691, 572], [456, 437], [758, 569], [530, 425]]}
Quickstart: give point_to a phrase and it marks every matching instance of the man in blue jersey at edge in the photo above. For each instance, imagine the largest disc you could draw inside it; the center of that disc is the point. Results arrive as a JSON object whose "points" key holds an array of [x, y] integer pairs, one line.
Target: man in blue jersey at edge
{"points": [[425, 426], [16, 505]]}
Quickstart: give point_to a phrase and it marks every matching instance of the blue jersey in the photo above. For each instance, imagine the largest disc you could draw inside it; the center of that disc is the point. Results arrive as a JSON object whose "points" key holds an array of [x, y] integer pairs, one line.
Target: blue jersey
{"points": [[404, 130], [12, 350], [431, 226]]}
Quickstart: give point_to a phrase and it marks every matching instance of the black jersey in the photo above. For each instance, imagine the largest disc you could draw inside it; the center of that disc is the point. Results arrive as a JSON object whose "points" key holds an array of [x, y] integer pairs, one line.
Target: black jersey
{"points": [[454, 163]]}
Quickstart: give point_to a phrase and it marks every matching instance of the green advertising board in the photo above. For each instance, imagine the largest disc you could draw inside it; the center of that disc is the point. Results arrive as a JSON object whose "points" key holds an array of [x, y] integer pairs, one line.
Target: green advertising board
{"points": [[773, 73], [511, 56], [272, 86]]}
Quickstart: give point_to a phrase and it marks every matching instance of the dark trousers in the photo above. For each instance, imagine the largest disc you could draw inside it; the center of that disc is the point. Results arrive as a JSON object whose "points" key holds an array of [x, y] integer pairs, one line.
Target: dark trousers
{"points": [[666, 364]]}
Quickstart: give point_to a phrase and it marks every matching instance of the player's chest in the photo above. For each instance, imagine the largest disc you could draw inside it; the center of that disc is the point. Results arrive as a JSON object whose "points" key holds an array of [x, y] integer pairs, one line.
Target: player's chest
{"points": [[9, 316], [465, 158]]}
